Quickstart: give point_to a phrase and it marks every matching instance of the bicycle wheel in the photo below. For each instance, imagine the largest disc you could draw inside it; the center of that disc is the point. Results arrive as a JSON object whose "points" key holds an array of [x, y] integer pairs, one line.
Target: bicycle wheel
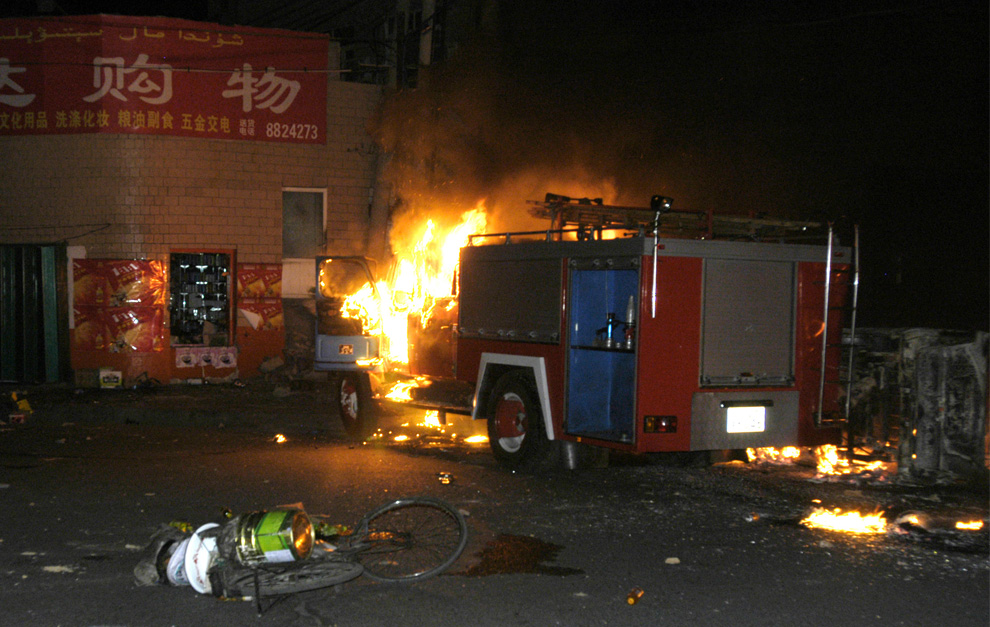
{"points": [[411, 539], [275, 579]]}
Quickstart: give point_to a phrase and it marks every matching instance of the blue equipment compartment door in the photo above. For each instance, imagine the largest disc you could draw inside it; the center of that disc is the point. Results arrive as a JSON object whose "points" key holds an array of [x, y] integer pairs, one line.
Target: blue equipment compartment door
{"points": [[601, 364]]}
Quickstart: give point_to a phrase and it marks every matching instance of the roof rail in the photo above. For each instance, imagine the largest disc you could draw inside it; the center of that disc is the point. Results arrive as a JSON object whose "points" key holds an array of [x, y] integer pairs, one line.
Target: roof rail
{"points": [[593, 215]]}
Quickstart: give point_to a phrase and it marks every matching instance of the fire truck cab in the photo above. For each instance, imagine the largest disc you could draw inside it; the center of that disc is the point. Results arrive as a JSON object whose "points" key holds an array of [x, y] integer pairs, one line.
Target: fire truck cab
{"points": [[650, 343]]}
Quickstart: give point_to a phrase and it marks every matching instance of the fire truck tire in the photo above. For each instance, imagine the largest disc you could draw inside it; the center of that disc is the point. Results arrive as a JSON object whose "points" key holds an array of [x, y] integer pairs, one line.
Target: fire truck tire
{"points": [[351, 394], [515, 422]]}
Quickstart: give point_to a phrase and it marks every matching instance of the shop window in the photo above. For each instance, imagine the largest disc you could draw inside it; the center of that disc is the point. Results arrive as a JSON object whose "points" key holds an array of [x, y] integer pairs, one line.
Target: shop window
{"points": [[200, 306]]}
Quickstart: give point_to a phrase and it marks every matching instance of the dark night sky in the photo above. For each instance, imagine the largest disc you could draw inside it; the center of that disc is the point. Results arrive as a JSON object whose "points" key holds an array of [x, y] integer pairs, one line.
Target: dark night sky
{"points": [[872, 112], [875, 111]]}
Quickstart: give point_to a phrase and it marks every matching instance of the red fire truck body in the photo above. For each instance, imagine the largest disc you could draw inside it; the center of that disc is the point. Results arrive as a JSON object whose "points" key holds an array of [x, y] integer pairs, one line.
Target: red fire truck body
{"points": [[577, 341], [654, 341]]}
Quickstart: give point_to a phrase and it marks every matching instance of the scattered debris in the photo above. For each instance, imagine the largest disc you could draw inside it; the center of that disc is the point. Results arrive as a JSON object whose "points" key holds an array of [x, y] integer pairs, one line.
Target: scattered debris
{"points": [[672, 561], [21, 402], [271, 364], [445, 478], [634, 596]]}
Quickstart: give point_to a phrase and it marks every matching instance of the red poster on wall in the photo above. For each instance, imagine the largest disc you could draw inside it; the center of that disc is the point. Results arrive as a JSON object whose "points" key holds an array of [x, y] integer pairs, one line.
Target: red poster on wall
{"points": [[91, 329], [263, 314], [118, 282], [162, 76], [119, 329], [259, 280], [138, 329], [119, 305]]}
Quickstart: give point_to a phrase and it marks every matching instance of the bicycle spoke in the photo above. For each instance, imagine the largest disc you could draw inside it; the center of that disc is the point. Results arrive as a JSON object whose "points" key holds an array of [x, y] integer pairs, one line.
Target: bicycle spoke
{"points": [[412, 539]]}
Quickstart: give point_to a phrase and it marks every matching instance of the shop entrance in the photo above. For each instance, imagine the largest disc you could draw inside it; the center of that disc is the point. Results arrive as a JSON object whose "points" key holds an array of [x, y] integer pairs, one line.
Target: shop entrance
{"points": [[34, 327]]}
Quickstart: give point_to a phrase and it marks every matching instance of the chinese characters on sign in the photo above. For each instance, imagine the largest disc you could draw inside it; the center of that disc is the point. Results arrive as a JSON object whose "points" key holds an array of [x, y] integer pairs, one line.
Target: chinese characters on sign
{"points": [[115, 74]]}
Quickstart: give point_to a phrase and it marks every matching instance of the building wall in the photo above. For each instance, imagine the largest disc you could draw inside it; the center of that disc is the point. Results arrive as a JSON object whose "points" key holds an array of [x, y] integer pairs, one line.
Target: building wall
{"points": [[138, 196], [141, 196]]}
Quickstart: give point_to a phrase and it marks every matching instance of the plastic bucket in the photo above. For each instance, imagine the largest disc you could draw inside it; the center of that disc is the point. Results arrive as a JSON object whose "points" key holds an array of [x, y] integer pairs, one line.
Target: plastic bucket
{"points": [[283, 535], [176, 569], [200, 554]]}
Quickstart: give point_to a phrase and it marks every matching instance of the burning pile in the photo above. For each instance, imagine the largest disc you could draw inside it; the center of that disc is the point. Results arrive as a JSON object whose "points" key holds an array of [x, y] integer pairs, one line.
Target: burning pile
{"points": [[850, 522], [911, 522], [771, 455], [828, 464]]}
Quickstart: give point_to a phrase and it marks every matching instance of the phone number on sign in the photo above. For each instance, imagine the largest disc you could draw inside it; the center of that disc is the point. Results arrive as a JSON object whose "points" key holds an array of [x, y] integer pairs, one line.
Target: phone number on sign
{"points": [[292, 131]]}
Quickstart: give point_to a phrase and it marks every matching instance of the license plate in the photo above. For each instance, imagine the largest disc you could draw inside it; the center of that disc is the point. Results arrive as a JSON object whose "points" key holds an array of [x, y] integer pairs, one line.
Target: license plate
{"points": [[746, 419]]}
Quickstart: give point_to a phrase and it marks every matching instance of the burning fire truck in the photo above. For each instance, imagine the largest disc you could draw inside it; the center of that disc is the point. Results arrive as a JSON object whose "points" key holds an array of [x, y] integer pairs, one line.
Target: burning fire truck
{"points": [[628, 328]]}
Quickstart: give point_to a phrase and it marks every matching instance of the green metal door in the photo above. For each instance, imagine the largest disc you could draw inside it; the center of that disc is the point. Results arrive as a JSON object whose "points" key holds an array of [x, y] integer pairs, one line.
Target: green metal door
{"points": [[33, 314]]}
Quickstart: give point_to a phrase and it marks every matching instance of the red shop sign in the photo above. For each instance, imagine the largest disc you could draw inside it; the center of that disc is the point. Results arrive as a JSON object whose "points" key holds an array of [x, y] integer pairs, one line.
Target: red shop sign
{"points": [[161, 76]]}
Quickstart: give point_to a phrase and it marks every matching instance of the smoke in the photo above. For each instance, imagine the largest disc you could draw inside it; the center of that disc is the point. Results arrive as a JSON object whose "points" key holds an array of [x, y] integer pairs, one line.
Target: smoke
{"points": [[587, 102], [506, 126], [793, 110]]}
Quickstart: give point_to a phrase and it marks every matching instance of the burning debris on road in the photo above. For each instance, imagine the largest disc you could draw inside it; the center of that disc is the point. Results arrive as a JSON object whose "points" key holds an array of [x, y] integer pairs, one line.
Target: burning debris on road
{"points": [[828, 464], [958, 528]]}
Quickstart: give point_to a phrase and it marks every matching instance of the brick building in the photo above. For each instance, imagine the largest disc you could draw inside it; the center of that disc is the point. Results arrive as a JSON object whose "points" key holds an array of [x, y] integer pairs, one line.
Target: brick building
{"points": [[125, 230]]}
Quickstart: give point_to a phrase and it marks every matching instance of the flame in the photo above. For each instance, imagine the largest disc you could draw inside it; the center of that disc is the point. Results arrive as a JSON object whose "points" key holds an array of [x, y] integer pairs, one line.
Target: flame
{"points": [[401, 391], [432, 419], [422, 279], [425, 272], [476, 439], [830, 464], [770, 454], [913, 519], [969, 525], [851, 522]]}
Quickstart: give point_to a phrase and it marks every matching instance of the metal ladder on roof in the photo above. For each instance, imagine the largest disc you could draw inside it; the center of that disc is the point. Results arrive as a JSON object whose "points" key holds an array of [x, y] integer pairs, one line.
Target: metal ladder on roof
{"points": [[852, 281]]}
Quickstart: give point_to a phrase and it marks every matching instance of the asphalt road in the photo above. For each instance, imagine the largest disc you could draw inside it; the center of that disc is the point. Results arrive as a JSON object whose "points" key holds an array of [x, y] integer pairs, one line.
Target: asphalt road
{"points": [[708, 546]]}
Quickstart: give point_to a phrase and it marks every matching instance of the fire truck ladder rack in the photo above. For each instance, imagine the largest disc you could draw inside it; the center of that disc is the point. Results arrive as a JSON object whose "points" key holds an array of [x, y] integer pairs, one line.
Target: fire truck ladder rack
{"points": [[590, 217], [850, 278]]}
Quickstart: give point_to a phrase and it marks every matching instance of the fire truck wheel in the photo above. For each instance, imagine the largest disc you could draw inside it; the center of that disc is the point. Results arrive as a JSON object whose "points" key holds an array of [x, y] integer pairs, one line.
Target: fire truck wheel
{"points": [[515, 423], [352, 393]]}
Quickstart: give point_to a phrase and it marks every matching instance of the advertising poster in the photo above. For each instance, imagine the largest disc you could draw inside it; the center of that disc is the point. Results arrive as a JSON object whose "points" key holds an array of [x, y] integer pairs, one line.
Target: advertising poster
{"points": [[263, 315], [118, 283], [137, 329], [259, 280], [119, 305]]}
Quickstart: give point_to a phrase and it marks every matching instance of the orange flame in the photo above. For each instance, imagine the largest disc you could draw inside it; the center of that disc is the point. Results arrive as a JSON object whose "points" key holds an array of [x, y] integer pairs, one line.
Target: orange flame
{"points": [[425, 273], [422, 279], [432, 419], [851, 522], [830, 464], [769, 454], [401, 391]]}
